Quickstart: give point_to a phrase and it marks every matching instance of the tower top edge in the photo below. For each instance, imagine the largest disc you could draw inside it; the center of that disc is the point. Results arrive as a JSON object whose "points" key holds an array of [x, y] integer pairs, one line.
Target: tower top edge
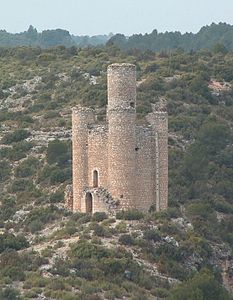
{"points": [[82, 110], [121, 66]]}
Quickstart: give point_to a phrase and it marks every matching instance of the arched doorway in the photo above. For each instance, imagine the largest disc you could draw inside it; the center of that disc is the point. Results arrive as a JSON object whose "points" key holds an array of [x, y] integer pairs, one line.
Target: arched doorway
{"points": [[89, 203], [95, 179]]}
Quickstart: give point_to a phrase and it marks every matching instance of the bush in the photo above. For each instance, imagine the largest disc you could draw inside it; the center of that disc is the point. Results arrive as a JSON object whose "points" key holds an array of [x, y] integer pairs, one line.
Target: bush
{"points": [[85, 250], [10, 241], [15, 136], [129, 215], [5, 170], [57, 197], [35, 226], [169, 251], [99, 216], [39, 217], [14, 273], [57, 152], [27, 168], [59, 176], [173, 268], [20, 185], [9, 294], [152, 234], [17, 152], [126, 239], [202, 286], [100, 230], [8, 208]]}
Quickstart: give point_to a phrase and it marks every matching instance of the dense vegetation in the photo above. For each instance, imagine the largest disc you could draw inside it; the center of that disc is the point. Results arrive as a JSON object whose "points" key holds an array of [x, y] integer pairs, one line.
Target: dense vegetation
{"points": [[218, 37], [135, 255], [49, 38]]}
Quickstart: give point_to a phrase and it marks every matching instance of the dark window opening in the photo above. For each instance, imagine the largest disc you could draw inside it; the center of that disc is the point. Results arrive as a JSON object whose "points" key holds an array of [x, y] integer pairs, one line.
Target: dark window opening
{"points": [[89, 203], [132, 104], [95, 179]]}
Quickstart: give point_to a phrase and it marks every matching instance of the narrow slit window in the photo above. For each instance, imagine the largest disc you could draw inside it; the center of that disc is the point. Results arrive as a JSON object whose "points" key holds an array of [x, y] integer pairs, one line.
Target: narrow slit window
{"points": [[95, 179]]}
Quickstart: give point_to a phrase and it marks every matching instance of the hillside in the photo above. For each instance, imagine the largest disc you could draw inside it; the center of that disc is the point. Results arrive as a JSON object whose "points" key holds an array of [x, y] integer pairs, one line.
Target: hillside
{"points": [[46, 252]]}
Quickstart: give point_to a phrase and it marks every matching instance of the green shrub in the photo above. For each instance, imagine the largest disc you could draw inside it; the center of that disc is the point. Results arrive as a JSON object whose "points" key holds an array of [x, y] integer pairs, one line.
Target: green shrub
{"points": [[35, 226], [57, 284], [57, 152], [27, 168], [85, 250], [59, 176], [61, 268], [20, 185], [160, 292], [152, 234], [51, 115], [202, 286], [16, 136], [8, 208], [173, 268], [121, 227], [126, 239], [100, 230], [5, 170], [57, 197], [10, 241], [17, 152], [14, 273], [129, 215], [9, 294], [169, 251], [99, 216], [39, 217]]}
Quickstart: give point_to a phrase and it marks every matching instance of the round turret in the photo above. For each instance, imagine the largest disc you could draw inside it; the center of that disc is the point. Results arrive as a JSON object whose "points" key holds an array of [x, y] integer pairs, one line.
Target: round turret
{"points": [[81, 118], [121, 86], [121, 138]]}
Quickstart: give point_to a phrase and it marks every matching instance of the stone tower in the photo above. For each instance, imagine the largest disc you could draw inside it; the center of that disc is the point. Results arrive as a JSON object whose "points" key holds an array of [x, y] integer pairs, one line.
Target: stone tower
{"points": [[81, 118], [121, 114], [119, 164]]}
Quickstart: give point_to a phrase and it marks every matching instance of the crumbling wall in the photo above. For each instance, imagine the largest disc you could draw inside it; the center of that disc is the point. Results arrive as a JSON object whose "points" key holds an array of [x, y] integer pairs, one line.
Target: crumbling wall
{"points": [[159, 122], [102, 201]]}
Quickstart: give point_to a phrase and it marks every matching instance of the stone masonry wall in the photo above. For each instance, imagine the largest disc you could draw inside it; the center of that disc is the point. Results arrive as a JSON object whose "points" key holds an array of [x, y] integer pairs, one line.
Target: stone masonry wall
{"points": [[121, 157], [121, 86], [159, 122], [146, 195], [98, 155]]}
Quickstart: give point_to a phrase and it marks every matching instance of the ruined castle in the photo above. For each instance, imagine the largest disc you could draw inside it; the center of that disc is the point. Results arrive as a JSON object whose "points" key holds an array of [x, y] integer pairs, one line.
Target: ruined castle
{"points": [[119, 164]]}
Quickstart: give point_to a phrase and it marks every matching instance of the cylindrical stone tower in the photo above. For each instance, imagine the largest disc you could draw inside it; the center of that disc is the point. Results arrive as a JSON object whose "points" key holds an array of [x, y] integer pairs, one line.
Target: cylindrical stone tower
{"points": [[121, 139], [81, 118]]}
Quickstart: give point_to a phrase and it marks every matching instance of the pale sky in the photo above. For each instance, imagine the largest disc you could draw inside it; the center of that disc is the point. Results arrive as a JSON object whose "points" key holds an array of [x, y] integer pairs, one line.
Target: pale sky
{"points": [[90, 17]]}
